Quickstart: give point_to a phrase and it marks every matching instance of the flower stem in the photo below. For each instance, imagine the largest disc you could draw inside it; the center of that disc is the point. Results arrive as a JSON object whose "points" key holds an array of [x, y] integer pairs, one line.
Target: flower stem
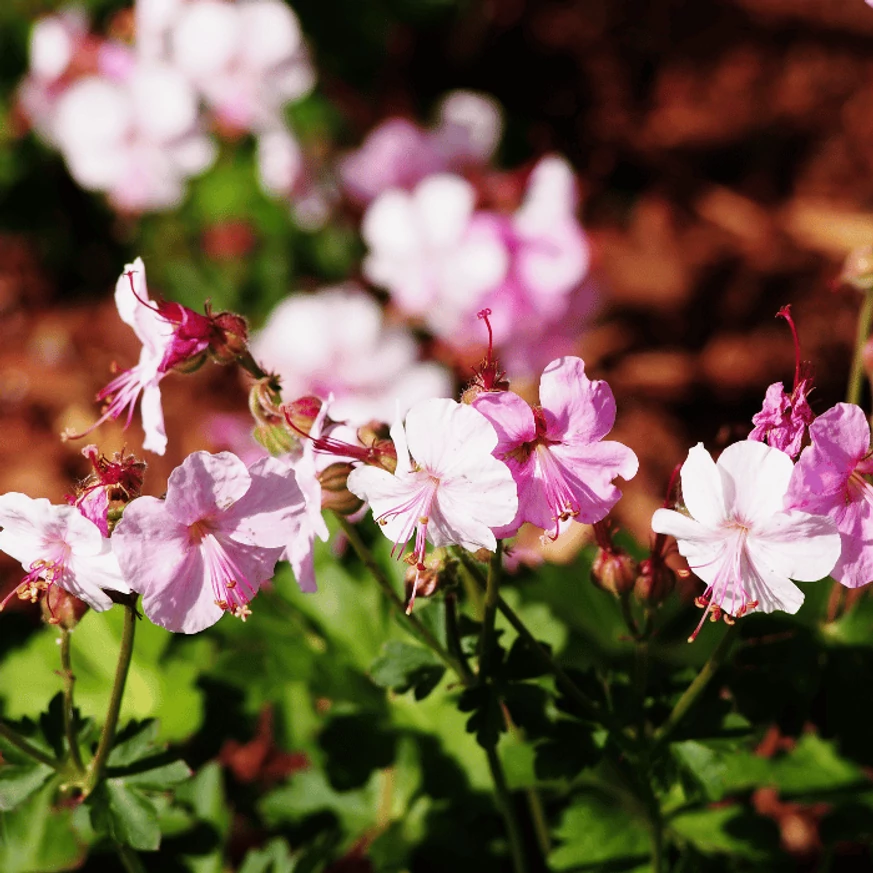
{"points": [[492, 597], [15, 739], [69, 678], [856, 377], [410, 621], [507, 810], [453, 635], [694, 690], [107, 735]]}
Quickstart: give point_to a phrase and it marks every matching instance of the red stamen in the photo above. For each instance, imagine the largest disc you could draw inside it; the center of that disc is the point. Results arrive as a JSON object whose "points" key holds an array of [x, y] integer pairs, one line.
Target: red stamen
{"points": [[785, 312]]}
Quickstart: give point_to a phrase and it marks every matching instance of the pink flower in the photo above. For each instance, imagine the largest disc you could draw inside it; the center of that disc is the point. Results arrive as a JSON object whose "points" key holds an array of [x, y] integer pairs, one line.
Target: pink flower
{"points": [[57, 545], [784, 418], [739, 538], [436, 257], [336, 342], [562, 465], [447, 489], [212, 542], [829, 479]]}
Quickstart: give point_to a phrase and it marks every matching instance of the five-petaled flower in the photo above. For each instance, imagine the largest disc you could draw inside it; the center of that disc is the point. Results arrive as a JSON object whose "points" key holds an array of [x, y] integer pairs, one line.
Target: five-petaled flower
{"points": [[829, 479], [452, 491], [57, 546], [212, 542], [739, 539], [563, 467]]}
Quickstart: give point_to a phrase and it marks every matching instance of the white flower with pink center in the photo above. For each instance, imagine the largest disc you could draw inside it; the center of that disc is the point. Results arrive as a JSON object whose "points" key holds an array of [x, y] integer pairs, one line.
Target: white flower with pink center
{"points": [[213, 541], [57, 545], [739, 539], [561, 462], [448, 489]]}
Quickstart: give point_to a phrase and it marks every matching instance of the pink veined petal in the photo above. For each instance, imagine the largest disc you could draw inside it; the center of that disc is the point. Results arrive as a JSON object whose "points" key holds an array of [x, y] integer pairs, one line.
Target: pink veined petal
{"points": [[755, 478], [510, 416], [301, 557], [205, 484], [575, 408], [842, 434], [271, 508], [796, 545], [855, 565], [702, 488]]}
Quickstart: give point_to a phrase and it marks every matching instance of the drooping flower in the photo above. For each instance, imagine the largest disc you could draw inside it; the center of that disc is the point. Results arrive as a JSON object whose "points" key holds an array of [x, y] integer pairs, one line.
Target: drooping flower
{"points": [[212, 542], [740, 539], [58, 546], [784, 418], [829, 479], [448, 489], [563, 467]]}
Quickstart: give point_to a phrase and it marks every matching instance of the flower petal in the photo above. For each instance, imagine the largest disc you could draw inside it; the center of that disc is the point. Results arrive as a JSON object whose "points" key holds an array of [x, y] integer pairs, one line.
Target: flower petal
{"points": [[796, 545], [576, 409], [702, 488], [204, 485]]}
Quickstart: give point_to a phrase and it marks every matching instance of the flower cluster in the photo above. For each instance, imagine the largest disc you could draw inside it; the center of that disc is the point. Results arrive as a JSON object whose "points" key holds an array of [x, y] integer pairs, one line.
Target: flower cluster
{"points": [[132, 120]]}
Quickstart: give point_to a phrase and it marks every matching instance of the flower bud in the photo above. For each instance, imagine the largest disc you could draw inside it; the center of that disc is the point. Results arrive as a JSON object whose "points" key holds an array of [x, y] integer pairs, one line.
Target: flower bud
{"points": [[275, 438], [614, 571], [230, 337], [858, 269], [301, 413], [655, 582], [382, 452], [62, 608], [335, 494]]}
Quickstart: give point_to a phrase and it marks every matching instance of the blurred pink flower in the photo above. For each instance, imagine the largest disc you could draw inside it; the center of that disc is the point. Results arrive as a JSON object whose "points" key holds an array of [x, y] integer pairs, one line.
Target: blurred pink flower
{"points": [[212, 542], [739, 538], [400, 154], [247, 59], [563, 467], [448, 488], [436, 257], [336, 342], [829, 479], [57, 545]]}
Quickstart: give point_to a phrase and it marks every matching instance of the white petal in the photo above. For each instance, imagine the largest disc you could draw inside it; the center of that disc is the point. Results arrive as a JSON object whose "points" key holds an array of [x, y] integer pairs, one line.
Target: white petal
{"points": [[755, 479], [702, 488], [444, 205], [796, 545]]}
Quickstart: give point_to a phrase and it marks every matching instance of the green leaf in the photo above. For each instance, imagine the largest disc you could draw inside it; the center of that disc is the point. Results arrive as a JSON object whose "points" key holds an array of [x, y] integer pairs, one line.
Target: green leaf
{"points": [[402, 667], [731, 830], [19, 781], [486, 722], [275, 857], [594, 831], [36, 838], [159, 778], [135, 741], [126, 815]]}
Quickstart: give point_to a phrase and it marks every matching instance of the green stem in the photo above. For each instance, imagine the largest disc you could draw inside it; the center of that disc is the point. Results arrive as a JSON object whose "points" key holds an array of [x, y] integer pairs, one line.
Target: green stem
{"points": [[15, 739], [130, 859], [694, 690], [453, 636], [628, 616], [251, 366], [410, 621], [507, 810], [69, 677], [856, 378], [492, 597], [107, 735]]}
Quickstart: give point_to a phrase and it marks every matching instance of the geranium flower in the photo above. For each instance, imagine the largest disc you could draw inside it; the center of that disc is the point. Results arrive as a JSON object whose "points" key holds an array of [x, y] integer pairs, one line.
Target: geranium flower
{"points": [[212, 542], [156, 335], [451, 491], [57, 545], [563, 467], [828, 479], [739, 539]]}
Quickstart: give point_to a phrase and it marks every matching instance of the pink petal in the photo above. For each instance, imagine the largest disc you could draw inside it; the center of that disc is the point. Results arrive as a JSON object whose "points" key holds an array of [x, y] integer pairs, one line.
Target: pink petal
{"points": [[205, 484], [576, 409], [510, 416]]}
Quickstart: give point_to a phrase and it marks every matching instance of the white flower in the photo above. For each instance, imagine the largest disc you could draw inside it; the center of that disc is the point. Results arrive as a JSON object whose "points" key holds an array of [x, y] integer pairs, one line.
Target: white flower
{"points": [[739, 539], [451, 492], [57, 545]]}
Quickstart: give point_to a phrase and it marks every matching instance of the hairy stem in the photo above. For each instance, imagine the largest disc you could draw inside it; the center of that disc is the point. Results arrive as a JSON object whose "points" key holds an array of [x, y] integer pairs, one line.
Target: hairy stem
{"points": [[695, 689], [410, 621], [107, 735], [856, 376], [70, 730], [492, 597], [15, 739]]}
